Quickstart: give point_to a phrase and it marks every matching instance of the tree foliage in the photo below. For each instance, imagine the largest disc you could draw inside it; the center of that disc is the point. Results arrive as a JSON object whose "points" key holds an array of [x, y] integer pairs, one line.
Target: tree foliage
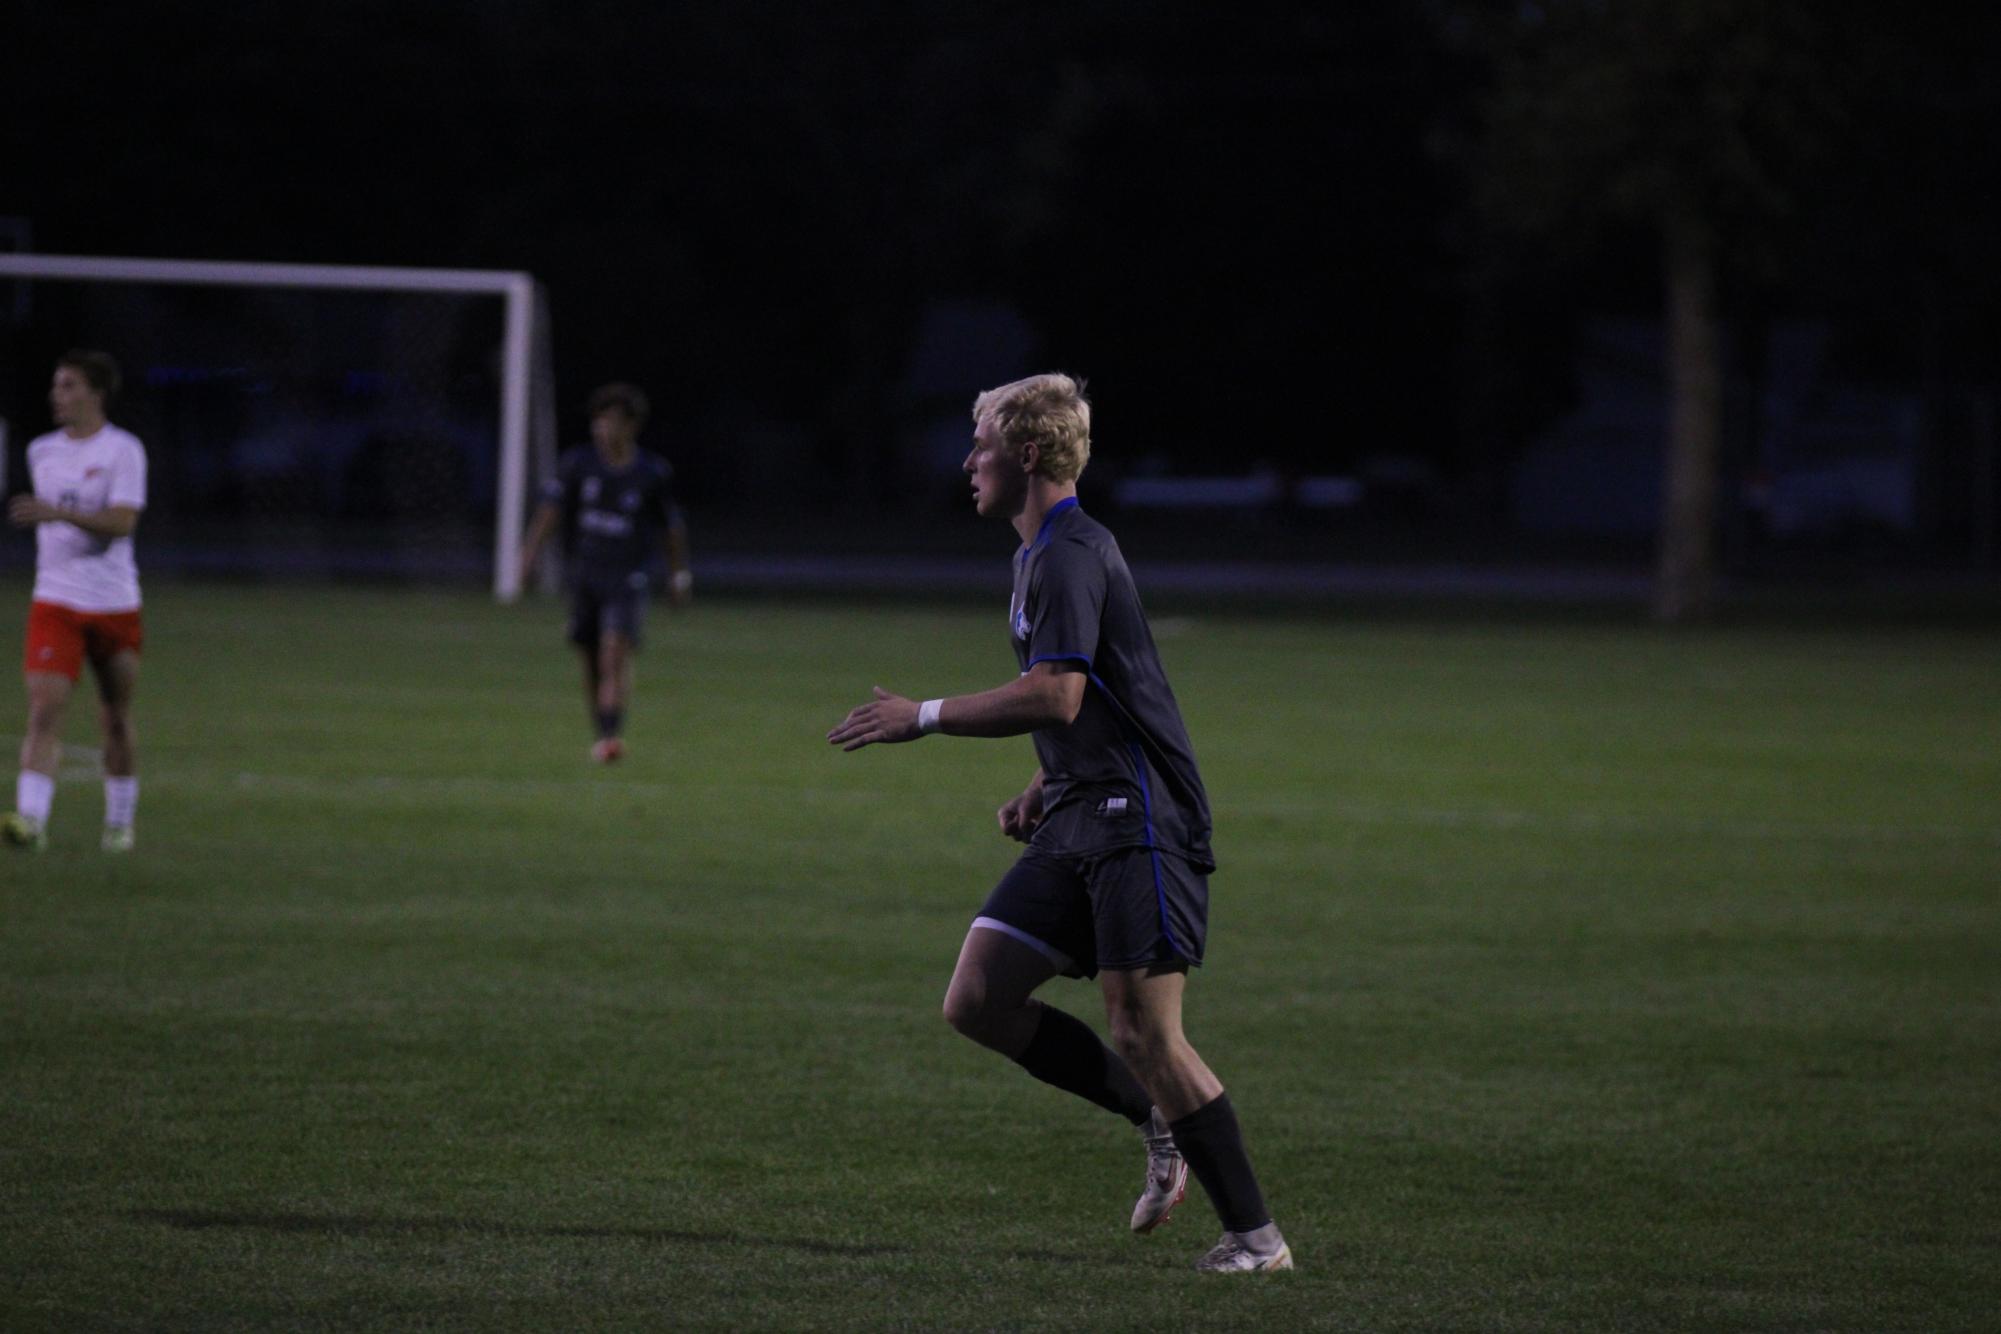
{"points": [[1597, 112], [1698, 120]]}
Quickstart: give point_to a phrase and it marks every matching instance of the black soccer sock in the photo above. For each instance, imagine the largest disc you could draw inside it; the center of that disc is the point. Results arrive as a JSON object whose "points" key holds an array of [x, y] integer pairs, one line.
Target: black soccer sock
{"points": [[1212, 1142], [1066, 1053], [609, 721]]}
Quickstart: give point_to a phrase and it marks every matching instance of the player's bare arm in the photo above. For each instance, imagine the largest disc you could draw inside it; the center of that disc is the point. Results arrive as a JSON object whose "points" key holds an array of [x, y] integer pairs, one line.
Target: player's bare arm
{"points": [[538, 533], [113, 521], [1046, 695]]}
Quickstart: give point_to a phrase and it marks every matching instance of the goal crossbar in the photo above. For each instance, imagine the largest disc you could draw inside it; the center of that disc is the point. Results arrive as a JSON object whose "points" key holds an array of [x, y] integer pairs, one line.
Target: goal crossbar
{"points": [[515, 288]]}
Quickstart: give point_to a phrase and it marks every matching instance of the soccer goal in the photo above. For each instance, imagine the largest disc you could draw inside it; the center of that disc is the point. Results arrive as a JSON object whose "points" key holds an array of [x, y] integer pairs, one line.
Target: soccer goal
{"points": [[305, 420]]}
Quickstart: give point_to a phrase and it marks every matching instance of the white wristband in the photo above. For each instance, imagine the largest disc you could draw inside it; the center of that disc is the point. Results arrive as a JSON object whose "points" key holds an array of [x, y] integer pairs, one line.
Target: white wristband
{"points": [[927, 716]]}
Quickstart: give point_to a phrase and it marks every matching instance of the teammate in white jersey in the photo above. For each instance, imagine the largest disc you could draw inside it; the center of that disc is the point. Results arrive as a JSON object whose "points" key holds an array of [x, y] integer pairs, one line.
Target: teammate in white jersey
{"points": [[88, 482]]}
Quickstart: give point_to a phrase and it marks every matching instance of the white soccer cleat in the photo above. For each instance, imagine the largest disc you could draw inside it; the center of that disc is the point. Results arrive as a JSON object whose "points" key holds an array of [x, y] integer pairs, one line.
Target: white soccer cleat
{"points": [[1166, 1177], [1234, 1255], [117, 838], [18, 831]]}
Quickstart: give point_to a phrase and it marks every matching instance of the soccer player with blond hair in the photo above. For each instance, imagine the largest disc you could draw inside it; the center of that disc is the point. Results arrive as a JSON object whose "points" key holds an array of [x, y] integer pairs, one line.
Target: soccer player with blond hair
{"points": [[1114, 880], [88, 487]]}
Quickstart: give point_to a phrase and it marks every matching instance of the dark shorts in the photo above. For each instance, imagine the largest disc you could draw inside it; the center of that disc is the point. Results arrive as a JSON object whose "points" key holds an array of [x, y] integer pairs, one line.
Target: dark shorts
{"points": [[607, 604], [1124, 908]]}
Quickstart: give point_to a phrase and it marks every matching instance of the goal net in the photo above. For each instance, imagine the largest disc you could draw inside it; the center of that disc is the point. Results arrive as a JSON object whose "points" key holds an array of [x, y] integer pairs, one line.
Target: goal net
{"points": [[302, 420]]}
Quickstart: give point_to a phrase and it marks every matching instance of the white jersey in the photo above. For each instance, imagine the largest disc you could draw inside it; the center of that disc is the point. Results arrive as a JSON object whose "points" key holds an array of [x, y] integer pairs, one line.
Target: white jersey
{"points": [[73, 568]]}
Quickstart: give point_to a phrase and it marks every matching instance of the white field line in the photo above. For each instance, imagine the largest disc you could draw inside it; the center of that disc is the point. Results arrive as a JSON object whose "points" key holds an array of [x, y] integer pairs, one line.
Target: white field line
{"points": [[598, 787]]}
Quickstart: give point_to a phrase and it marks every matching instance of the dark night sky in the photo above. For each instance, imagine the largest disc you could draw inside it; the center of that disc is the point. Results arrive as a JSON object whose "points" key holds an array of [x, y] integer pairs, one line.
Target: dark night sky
{"points": [[1247, 224]]}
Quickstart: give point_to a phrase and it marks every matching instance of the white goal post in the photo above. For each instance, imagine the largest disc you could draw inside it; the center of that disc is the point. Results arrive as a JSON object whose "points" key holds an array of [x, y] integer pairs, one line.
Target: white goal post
{"points": [[517, 290]]}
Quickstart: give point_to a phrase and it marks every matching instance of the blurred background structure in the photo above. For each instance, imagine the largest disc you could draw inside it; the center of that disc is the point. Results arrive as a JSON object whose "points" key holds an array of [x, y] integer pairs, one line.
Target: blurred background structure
{"points": [[1659, 298]]}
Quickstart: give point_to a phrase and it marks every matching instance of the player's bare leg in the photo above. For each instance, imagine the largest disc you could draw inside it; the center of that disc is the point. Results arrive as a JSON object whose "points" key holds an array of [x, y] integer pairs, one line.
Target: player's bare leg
{"points": [[48, 695], [587, 654], [613, 664], [614, 670], [1143, 1007], [117, 681], [591, 655], [990, 1000]]}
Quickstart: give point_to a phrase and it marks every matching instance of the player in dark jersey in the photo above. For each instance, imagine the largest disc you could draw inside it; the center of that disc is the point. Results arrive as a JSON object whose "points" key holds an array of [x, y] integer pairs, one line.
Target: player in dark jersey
{"points": [[1114, 882], [620, 511]]}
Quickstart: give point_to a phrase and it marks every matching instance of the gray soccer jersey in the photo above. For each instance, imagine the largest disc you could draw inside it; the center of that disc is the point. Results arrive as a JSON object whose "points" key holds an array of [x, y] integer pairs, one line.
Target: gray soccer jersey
{"points": [[618, 512], [1122, 774]]}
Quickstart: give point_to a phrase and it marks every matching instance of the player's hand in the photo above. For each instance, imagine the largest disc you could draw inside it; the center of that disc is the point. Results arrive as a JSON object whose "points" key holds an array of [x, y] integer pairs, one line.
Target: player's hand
{"points": [[887, 717], [25, 511], [1020, 818]]}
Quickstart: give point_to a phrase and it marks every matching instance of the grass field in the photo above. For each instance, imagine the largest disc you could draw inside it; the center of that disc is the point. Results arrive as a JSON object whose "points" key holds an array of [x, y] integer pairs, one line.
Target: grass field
{"points": [[1567, 977]]}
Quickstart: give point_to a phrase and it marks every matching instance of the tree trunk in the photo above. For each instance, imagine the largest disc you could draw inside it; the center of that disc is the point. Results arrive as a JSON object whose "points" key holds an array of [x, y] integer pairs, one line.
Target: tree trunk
{"points": [[1685, 577]]}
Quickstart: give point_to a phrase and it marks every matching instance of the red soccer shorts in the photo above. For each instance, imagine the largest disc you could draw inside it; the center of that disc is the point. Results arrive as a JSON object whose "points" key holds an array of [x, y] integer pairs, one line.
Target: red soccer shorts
{"points": [[59, 639]]}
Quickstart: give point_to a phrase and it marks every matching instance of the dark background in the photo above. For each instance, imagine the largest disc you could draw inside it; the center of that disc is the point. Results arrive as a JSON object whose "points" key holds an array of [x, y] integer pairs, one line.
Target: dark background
{"points": [[1277, 237]]}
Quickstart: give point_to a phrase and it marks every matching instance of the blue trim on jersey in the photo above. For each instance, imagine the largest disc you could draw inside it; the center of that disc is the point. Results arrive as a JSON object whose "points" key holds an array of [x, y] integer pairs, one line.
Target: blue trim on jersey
{"points": [[1084, 658], [1042, 533], [1152, 849]]}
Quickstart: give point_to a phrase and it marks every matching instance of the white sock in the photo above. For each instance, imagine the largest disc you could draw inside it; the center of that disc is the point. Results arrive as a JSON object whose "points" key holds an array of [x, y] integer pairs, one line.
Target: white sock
{"points": [[121, 801], [33, 794]]}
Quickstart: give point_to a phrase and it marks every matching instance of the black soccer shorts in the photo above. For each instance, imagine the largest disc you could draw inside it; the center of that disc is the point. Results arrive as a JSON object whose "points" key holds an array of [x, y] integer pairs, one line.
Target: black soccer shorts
{"points": [[1120, 908], [607, 604]]}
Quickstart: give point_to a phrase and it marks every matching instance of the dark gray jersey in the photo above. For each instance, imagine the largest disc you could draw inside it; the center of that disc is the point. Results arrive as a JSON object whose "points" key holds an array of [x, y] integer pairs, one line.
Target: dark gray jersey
{"points": [[1122, 774], [617, 513]]}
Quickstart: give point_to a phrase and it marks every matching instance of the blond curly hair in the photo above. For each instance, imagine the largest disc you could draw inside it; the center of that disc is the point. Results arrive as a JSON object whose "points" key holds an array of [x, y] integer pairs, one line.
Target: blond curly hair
{"points": [[1050, 410]]}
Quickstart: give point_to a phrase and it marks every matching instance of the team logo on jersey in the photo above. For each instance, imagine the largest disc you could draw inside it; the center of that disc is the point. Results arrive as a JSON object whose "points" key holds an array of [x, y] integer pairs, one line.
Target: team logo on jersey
{"points": [[1021, 623], [1112, 806], [89, 473]]}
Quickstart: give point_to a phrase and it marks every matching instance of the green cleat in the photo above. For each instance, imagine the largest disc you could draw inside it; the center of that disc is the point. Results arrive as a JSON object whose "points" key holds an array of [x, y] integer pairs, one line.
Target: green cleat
{"points": [[18, 831], [117, 838]]}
